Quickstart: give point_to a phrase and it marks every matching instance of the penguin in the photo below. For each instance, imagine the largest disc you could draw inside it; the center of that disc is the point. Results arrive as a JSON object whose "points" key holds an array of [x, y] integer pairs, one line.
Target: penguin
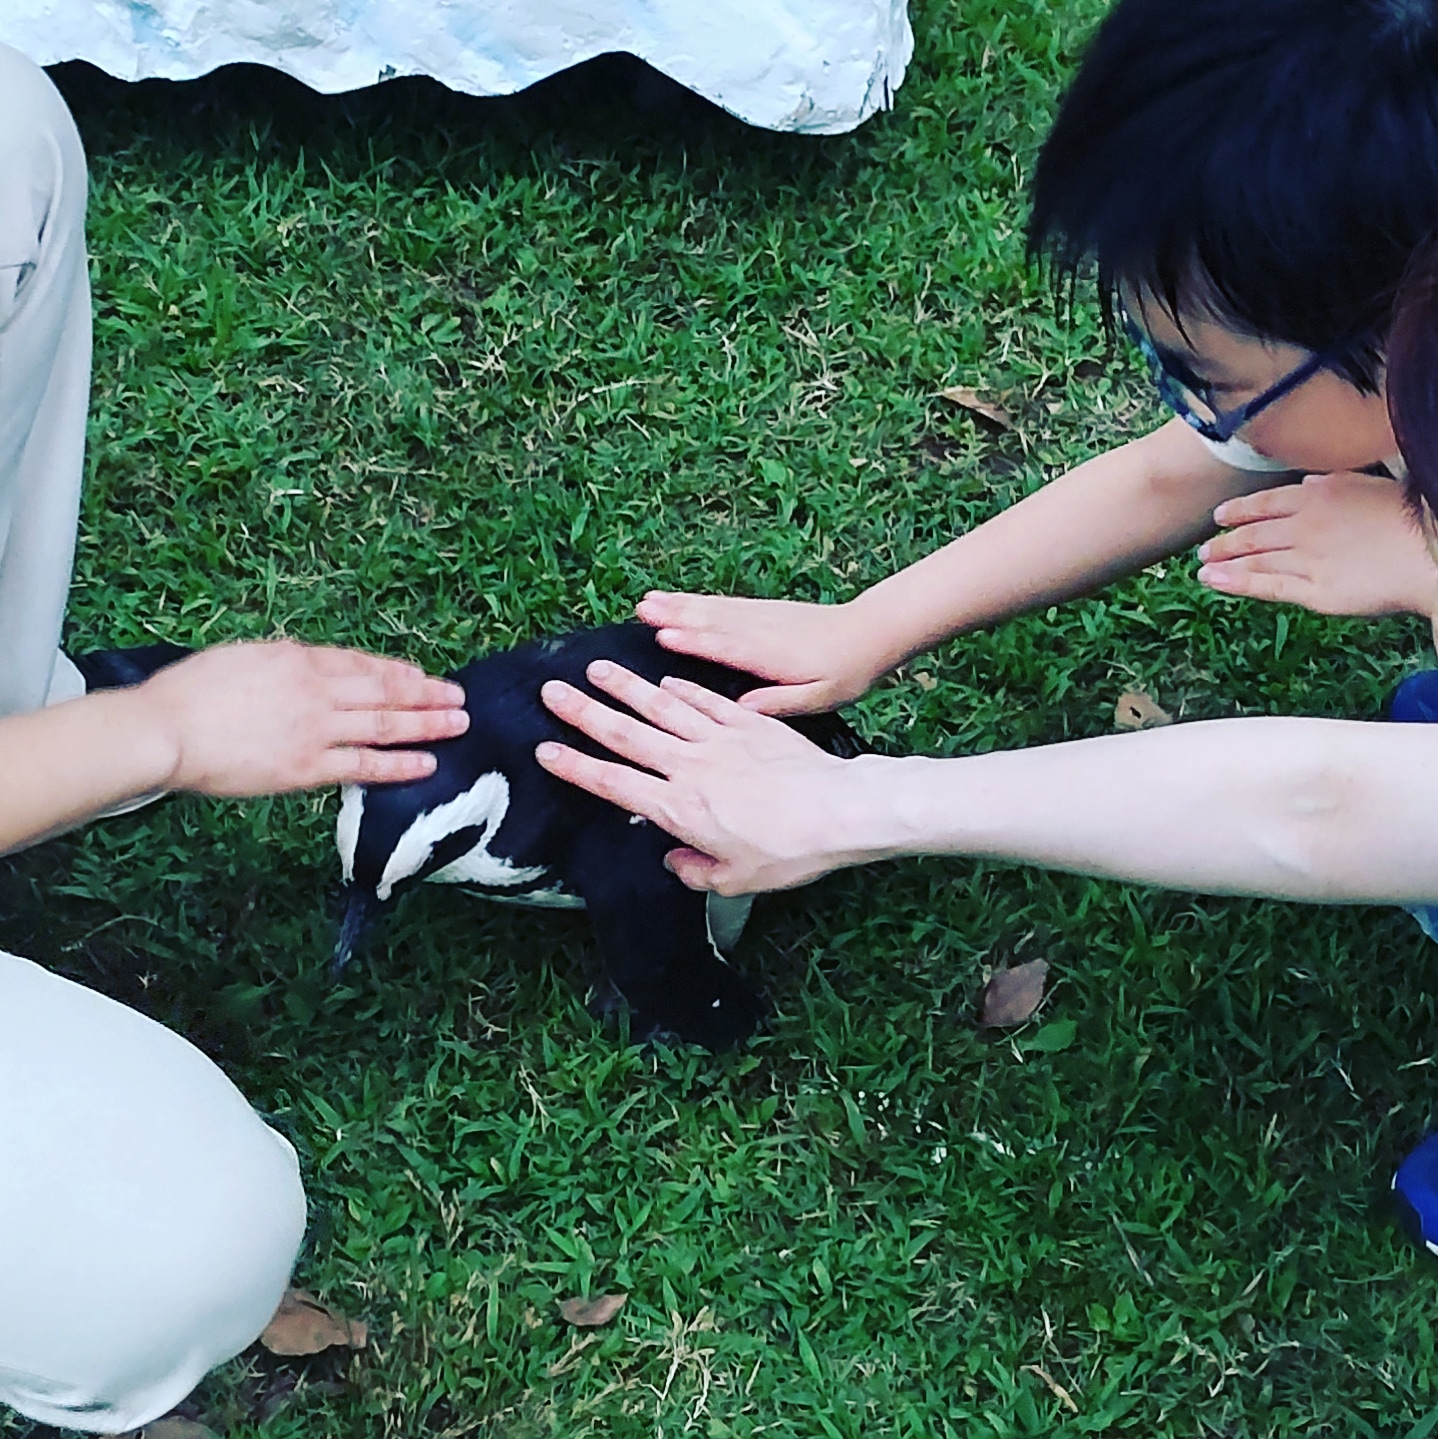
{"points": [[490, 819], [119, 669]]}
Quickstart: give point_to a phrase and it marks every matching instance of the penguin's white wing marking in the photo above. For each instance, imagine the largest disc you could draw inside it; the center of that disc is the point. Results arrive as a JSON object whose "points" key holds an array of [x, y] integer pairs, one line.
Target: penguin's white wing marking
{"points": [[725, 917], [531, 898], [347, 828], [483, 807], [481, 867]]}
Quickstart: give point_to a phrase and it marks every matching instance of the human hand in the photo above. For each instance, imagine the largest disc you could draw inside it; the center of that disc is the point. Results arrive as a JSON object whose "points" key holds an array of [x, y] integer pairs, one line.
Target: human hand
{"points": [[249, 719], [757, 805], [1341, 544], [819, 656]]}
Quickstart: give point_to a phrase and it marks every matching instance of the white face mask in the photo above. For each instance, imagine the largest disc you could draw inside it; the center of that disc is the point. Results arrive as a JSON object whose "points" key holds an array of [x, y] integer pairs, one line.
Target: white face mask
{"points": [[1242, 456]]}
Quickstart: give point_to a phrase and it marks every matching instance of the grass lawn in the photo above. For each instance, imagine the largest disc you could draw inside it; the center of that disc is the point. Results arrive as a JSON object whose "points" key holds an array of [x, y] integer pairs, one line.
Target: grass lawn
{"points": [[431, 375]]}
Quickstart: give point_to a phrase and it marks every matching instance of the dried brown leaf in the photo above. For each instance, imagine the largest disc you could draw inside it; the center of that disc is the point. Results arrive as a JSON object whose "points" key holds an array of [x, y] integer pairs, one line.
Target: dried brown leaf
{"points": [[1013, 995], [1055, 1388], [926, 681], [975, 404], [591, 1313], [303, 1325], [1137, 710]]}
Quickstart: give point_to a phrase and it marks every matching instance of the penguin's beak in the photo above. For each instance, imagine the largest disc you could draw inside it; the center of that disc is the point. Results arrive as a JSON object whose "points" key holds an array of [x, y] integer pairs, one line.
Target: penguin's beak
{"points": [[361, 906]]}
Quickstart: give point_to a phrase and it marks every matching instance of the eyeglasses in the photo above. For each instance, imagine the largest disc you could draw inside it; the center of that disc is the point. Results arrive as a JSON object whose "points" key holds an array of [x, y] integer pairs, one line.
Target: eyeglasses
{"points": [[1191, 399]]}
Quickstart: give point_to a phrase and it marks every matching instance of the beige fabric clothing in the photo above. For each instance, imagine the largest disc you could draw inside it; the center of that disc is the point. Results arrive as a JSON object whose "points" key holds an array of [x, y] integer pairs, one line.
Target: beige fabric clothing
{"points": [[148, 1217], [44, 373]]}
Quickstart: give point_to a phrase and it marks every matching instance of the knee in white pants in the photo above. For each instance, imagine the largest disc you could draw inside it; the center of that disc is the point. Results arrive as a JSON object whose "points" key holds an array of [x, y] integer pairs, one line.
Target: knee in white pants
{"points": [[148, 1217]]}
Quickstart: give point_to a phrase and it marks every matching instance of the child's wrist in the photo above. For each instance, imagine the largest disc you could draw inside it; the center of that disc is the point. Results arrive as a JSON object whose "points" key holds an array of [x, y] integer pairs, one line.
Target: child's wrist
{"points": [[873, 640]]}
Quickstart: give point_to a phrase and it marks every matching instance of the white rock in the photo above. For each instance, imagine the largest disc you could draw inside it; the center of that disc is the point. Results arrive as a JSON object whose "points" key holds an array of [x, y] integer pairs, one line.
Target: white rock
{"points": [[819, 66]]}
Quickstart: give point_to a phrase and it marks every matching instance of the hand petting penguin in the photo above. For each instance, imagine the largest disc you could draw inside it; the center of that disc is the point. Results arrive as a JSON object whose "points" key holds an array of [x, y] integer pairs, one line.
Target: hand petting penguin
{"points": [[491, 819]]}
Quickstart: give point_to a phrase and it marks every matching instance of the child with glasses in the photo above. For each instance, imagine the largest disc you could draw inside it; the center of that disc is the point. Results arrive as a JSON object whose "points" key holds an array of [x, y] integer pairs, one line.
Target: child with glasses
{"points": [[1250, 179]]}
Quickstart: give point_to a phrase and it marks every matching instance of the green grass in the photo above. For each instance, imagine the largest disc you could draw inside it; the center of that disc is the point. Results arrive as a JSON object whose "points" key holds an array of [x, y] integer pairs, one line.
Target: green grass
{"points": [[430, 375]]}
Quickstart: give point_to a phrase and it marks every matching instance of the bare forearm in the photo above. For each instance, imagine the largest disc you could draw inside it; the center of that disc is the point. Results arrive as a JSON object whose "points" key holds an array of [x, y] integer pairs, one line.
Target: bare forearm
{"points": [[1317, 810], [1108, 518], [61, 766]]}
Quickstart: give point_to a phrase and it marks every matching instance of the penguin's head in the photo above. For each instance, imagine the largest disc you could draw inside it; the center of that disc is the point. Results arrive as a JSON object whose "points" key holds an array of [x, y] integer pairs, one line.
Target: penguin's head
{"points": [[391, 837]]}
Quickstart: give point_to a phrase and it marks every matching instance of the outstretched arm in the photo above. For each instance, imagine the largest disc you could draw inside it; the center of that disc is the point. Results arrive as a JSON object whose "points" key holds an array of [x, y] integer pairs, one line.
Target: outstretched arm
{"points": [[1109, 517], [237, 720], [1322, 810]]}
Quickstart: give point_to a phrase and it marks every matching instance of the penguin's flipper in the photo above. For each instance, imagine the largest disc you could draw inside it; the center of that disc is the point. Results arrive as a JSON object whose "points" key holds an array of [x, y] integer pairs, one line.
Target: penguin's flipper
{"points": [[655, 937], [726, 915]]}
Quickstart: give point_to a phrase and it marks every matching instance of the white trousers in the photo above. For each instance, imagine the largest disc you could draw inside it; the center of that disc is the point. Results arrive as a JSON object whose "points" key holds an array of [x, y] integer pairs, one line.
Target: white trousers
{"points": [[148, 1217]]}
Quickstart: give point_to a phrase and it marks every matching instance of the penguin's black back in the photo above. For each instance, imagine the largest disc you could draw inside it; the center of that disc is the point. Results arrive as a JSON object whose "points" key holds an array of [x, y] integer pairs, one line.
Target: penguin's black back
{"points": [[508, 719]]}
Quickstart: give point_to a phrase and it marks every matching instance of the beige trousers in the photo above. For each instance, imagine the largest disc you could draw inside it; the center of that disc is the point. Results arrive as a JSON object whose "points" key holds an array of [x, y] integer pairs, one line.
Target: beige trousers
{"points": [[44, 376], [148, 1217]]}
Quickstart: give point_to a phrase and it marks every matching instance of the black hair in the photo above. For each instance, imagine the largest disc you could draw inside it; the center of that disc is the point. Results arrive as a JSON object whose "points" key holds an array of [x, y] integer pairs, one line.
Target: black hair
{"points": [[1413, 377], [1273, 163]]}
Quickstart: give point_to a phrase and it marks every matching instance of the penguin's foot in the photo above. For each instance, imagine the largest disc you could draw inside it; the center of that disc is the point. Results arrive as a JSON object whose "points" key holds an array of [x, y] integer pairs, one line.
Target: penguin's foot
{"points": [[722, 1023], [720, 1012]]}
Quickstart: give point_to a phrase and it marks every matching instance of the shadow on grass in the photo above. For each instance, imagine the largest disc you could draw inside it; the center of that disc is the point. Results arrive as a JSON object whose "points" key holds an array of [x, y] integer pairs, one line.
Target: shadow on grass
{"points": [[613, 106]]}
